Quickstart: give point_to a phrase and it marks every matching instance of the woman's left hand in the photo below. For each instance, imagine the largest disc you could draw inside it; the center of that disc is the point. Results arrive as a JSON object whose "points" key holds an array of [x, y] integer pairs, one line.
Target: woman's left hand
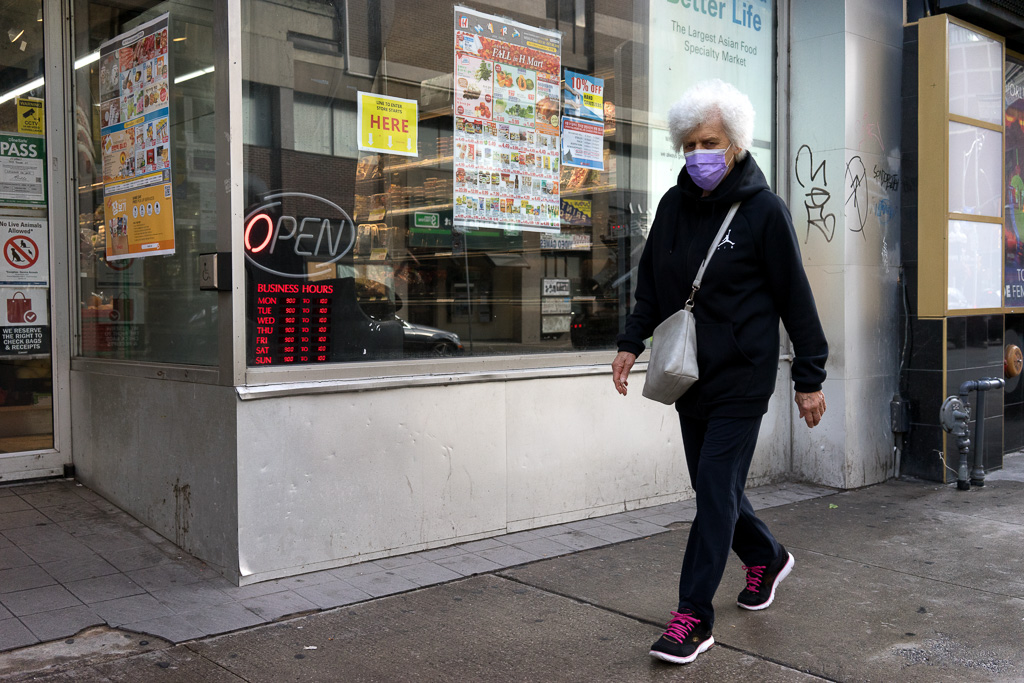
{"points": [[812, 407]]}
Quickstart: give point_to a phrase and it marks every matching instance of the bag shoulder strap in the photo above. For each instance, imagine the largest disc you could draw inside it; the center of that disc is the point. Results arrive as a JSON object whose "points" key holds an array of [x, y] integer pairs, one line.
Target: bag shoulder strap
{"points": [[711, 252]]}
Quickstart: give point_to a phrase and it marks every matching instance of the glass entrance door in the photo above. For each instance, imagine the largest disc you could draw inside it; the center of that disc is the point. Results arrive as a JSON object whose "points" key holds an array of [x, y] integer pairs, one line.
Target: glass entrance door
{"points": [[26, 362]]}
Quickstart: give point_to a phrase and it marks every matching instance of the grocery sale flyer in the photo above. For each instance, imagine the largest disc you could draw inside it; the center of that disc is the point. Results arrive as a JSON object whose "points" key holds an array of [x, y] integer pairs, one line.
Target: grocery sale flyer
{"points": [[507, 124]]}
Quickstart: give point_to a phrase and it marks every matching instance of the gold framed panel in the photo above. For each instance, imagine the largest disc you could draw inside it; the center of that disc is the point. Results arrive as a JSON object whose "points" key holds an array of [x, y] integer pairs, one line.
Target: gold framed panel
{"points": [[933, 162]]}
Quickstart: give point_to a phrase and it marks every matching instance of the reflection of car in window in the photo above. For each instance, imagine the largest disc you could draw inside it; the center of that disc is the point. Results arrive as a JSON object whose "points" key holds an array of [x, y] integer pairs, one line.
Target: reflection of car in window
{"points": [[379, 302]]}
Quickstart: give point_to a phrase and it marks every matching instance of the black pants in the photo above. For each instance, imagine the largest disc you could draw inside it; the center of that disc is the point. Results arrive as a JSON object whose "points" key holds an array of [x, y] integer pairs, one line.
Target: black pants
{"points": [[718, 454]]}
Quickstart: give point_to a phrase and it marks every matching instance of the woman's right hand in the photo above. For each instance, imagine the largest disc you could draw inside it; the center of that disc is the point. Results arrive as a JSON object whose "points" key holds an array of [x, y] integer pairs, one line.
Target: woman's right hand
{"points": [[620, 370]]}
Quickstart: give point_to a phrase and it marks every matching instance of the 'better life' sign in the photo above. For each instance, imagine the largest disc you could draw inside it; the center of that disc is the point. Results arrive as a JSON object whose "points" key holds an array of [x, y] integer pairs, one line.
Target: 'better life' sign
{"points": [[387, 124]]}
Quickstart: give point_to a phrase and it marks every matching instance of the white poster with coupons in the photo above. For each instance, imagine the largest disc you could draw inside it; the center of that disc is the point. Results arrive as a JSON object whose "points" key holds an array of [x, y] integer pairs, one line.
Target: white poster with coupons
{"points": [[506, 139]]}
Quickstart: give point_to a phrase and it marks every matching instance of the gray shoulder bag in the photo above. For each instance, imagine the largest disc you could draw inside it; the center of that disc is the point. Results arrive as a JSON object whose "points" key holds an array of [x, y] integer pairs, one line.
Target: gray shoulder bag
{"points": [[673, 365]]}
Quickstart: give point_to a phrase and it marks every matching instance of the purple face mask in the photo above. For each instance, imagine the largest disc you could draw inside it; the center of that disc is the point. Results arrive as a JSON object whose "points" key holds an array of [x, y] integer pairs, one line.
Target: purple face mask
{"points": [[707, 167]]}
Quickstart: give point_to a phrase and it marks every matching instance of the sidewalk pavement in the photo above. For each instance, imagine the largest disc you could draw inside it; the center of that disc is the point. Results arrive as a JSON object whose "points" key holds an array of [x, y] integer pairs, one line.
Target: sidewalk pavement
{"points": [[908, 580]]}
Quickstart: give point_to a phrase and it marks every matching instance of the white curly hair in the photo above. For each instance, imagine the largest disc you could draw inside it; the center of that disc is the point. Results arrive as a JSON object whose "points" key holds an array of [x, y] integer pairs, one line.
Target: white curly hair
{"points": [[706, 101]]}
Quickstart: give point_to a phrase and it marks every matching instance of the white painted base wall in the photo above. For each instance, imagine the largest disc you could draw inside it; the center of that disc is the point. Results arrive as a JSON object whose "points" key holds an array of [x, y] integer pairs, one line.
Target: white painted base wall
{"points": [[267, 488], [333, 479]]}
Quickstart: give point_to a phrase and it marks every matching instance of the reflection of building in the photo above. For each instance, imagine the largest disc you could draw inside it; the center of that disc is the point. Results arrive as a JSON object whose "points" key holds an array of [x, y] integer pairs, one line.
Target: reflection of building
{"points": [[290, 421]]}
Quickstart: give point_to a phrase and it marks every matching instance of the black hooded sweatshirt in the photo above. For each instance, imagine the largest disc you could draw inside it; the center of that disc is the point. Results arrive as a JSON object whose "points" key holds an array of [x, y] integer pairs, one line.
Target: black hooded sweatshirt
{"points": [[755, 279]]}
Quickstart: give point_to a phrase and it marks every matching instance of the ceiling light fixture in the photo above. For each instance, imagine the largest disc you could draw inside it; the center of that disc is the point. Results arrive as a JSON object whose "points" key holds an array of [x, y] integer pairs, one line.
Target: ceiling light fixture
{"points": [[193, 74], [39, 17], [179, 39], [87, 60], [14, 34]]}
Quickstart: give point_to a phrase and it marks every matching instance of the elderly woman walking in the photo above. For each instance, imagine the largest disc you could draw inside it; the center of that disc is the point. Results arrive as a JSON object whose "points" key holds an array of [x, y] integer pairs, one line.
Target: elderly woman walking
{"points": [[755, 279]]}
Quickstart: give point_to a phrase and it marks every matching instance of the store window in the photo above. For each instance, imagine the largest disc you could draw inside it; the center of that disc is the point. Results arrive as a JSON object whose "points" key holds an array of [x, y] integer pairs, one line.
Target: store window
{"points": [[144, 104], [451, 181]]}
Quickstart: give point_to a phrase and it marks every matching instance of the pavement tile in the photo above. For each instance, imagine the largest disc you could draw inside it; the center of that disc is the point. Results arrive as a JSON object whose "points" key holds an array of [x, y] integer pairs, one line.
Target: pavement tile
{"points": [[11, 557], [611, 534], [583, 524], [399, 561], [129, 610], [105, 543], [344, 573], [50, 498], [136, 558], [519, 537], [24, 578], [6, 491], [38, 534], [382, 583], [439, 553], [579, 540], [4, 613], [310, 579], [66, 571], [20, 519], [4, 543], [427, 573], [79, 510], [276, 605], [547, 531], [36, 600], [104, 588], [53, 550], [507, 556], [332, 594], [13, 504], [222, 618], [14, 634], [640, 527], [165, 576], [768, 500], [483, 544], [173, 627], [543, 547], [666, 520], [253, 590], [620, 517], [61, 623], [469, 564], [190, 598]]}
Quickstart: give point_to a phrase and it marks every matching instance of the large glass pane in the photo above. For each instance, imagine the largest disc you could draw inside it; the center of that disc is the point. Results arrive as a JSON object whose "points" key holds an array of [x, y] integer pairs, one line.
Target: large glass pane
{"points": [[975, 75], [26, 384], [489, 191], [144, 102], [975, 273], [975, 170]]}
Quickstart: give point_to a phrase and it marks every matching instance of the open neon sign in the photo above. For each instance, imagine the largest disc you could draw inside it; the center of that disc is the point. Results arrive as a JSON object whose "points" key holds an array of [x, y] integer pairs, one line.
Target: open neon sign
{"points": [[321, 241]]}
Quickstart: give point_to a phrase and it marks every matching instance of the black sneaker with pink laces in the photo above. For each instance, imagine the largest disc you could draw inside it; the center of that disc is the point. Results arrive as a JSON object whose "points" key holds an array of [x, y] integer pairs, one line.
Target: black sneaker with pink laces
{"points": [[685, 637], [763, 580]]}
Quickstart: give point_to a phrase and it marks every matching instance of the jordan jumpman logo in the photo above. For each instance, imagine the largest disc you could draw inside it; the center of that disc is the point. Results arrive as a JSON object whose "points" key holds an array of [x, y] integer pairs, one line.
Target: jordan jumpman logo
{"points": [[726, 240]]}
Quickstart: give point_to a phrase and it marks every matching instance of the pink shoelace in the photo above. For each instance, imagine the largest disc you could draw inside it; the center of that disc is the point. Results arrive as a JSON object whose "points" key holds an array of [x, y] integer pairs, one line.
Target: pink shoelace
{"points": [[680, 625], [754, 575]]}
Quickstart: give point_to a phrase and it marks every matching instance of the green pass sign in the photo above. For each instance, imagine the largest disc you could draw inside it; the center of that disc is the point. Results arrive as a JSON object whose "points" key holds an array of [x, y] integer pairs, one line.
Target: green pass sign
{"points": [[22, 170], [423, 219]]}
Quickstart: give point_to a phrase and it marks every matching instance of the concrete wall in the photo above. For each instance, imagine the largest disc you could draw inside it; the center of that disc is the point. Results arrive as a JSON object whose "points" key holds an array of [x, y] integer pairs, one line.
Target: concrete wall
{"points": [[164, 452], [330, 479], [844, 175]]}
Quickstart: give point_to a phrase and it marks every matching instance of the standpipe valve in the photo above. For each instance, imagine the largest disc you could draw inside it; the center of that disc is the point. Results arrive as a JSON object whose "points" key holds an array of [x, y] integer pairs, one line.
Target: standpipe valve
{"points": [[954, 416]]}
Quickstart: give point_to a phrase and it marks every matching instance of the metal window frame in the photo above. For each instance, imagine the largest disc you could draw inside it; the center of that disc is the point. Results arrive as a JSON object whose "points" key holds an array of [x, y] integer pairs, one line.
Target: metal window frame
{"points": [[58, 111]]}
